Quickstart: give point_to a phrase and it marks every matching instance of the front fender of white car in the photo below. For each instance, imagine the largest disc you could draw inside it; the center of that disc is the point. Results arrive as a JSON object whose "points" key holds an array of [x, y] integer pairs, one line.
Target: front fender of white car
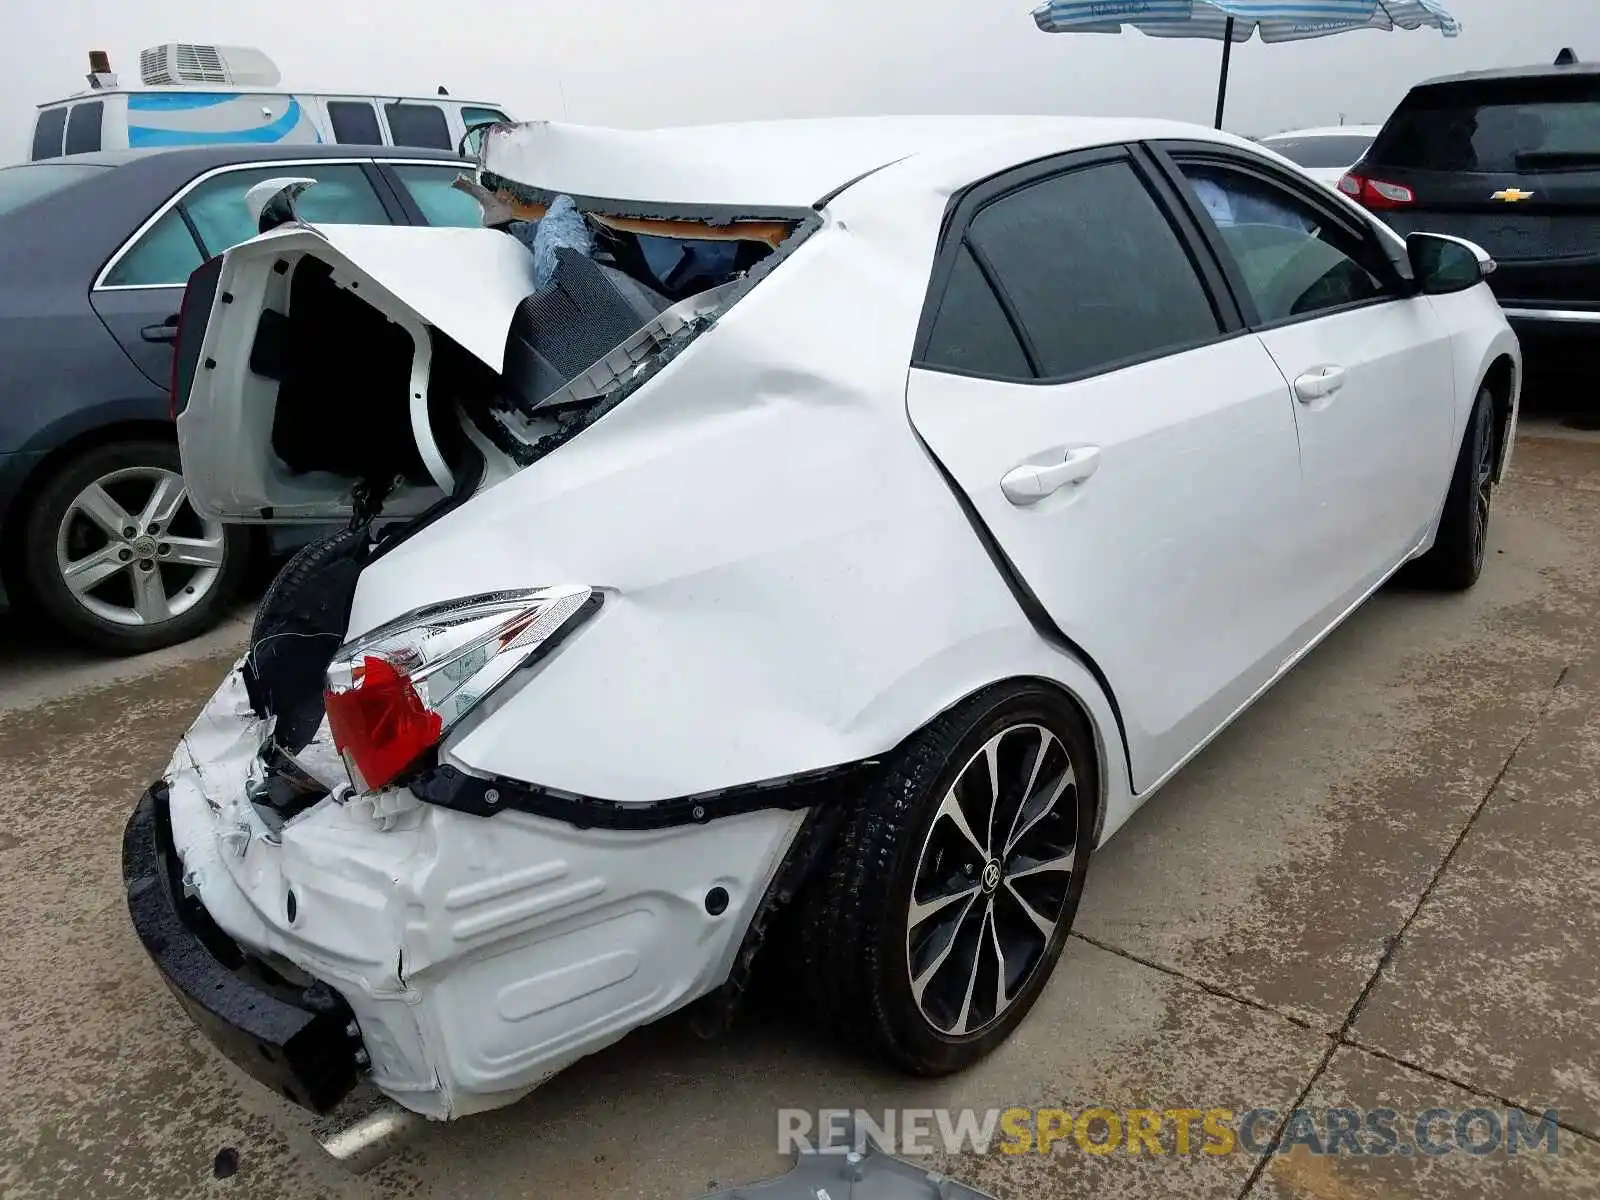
{"points": [[789, 583], [1482, 343]]}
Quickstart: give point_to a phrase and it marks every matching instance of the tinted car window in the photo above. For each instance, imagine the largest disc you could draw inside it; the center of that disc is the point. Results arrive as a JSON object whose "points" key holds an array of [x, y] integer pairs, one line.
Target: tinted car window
{"points": [[24, 184], [1293, 260], [440, 202], [971, 332], [479, 116], [341, 195], [1494, 129], [83, 127], [47, 133], [165, 255], [1320, 153], [355, 123], [418, 125], [1093, 270]]}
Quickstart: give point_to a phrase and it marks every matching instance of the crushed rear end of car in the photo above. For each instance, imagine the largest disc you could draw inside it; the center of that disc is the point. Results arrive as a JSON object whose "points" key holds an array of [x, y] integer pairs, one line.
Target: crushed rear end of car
{"points": [[635, 568]]}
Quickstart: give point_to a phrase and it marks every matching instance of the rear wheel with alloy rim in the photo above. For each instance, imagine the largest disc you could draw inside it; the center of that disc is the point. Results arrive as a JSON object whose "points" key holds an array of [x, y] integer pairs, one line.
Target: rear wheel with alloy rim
{"points": [[945, 908], [114, 553]]}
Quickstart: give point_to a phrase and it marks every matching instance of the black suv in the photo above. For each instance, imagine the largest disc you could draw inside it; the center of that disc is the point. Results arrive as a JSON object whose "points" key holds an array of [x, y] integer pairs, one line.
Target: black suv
{"points": [[1509, 160]]}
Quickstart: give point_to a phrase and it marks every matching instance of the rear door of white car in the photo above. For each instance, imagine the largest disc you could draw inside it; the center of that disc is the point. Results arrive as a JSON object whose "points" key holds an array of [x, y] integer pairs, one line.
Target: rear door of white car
{"points": [[1369, 361], [1129, 448]]}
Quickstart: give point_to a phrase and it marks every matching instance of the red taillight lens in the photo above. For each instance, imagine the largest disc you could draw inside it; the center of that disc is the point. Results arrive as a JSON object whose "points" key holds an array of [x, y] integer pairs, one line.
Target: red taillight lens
{"points": [[393, 694], [172, 379], [379, 723], [1376, 194]]}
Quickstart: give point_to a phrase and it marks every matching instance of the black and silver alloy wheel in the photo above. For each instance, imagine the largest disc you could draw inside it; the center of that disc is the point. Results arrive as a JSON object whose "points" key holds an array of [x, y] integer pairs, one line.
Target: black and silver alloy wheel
{"points": [[938, 917], [1461, 545], [992, 879], [1482, 479]]}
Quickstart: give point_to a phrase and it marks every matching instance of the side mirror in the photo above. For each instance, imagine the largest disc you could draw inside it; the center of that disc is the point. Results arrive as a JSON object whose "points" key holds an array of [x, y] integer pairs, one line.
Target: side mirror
{"points": [[1442, 264]]}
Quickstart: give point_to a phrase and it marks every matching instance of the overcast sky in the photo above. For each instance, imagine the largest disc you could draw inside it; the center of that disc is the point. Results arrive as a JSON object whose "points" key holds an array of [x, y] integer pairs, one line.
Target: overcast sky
{"points": [[706, 60]]}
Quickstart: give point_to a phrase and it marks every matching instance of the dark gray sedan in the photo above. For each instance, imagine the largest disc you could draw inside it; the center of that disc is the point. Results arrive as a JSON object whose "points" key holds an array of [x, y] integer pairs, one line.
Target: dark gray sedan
{"points": [[96, 531]]}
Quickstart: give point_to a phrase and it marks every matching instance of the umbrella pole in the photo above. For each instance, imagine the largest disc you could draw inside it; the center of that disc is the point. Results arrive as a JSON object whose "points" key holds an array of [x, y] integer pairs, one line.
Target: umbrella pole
{"points": [[1222, 84]]}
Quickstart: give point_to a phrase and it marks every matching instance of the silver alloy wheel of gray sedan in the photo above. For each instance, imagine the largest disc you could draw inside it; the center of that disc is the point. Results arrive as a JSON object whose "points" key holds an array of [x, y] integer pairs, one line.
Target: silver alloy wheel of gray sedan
{"points": [[132, 550]]}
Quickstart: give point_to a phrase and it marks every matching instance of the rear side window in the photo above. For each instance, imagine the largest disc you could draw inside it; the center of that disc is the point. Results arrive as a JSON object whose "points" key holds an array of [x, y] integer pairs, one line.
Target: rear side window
{"points": [[355, 123], [972, 333], [1320, 153], [421, 125], [83, 127], [47, 133], [436, 196], [341, 195], [1093, 270], [163, 257], [1495, 130]]}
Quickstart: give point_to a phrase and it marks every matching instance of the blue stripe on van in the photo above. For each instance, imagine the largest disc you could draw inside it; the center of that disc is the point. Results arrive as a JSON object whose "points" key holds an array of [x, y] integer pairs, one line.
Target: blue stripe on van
{"points": [[173, 102], [143, 135]]}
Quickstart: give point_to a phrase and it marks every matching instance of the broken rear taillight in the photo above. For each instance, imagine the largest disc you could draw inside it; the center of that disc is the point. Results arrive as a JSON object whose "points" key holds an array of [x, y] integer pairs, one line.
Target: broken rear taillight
{"points": [[393, 694]]}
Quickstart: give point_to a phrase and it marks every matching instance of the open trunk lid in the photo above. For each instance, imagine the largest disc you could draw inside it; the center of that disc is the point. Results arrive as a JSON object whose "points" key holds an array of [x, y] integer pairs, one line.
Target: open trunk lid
{"points": [[368, 379], [346, 370], [333, 354]]}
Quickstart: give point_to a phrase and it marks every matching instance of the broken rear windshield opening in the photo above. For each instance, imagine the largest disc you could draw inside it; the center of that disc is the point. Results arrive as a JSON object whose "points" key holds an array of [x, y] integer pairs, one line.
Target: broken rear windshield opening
{"points": [[616, 296]]}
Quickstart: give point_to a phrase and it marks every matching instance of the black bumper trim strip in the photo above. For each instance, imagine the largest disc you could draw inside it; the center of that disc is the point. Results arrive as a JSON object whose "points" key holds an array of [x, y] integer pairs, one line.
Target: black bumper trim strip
{"points": [[297, 1042], [483, 796]]}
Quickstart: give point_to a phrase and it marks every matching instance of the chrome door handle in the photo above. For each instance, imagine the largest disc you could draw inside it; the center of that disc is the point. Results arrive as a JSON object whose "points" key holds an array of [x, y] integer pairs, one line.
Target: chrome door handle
{"points": [[1318, 384], [1032, 482]]}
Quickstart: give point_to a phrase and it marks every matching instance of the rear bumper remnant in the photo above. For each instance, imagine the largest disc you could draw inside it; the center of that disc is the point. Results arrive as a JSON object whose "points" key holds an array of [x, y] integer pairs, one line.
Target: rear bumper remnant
{"points": [[303, 1046]]}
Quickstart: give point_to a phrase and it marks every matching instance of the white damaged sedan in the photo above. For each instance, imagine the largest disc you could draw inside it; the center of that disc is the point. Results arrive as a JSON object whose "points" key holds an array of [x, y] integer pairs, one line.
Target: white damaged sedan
{"points": [[855, 517]]}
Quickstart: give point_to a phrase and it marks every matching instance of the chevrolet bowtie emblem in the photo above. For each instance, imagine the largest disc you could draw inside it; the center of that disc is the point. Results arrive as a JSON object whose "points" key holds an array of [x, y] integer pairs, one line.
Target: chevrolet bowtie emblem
{"points": [[1512, 195]]}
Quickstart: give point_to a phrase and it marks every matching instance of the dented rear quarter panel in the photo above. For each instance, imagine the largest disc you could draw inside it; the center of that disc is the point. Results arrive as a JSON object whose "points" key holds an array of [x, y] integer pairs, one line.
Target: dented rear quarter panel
{"points": [[791, 585]]}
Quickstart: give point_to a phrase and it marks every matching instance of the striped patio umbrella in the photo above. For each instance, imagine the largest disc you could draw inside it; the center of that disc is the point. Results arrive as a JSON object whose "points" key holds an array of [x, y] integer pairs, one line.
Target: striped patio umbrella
{"points": [[1230, 21]]}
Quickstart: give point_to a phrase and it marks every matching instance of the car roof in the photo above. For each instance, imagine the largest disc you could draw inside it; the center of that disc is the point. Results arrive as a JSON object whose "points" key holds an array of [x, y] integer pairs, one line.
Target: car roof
{"points": [[1326, 131], [787, 163], [1509, 74], [203, 158], [239, 90]]}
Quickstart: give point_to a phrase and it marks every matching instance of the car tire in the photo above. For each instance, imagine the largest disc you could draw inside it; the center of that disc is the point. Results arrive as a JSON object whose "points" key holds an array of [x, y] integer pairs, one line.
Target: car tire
{"points": [[97, 583], [1456, 560], [922, 992]]}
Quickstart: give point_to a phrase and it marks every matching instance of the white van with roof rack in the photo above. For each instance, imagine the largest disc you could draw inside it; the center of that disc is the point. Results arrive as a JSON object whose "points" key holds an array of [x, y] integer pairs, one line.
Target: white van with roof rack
{"points": [[202, 95]]}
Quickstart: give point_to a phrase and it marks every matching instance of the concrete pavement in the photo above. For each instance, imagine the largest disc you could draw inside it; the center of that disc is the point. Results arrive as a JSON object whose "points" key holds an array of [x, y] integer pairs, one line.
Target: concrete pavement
{"points": [[1378, 889]]}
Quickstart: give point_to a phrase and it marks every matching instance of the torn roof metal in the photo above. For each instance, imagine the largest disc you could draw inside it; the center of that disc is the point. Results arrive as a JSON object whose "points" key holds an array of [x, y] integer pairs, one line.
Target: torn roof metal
{"points": [[768, 165]]}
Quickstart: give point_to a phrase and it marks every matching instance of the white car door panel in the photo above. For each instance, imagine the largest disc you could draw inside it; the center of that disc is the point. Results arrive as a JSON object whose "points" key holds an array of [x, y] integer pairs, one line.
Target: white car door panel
{"points": [[1375, 450], [1165, 561], [1136, 465], [1371, 370]]}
